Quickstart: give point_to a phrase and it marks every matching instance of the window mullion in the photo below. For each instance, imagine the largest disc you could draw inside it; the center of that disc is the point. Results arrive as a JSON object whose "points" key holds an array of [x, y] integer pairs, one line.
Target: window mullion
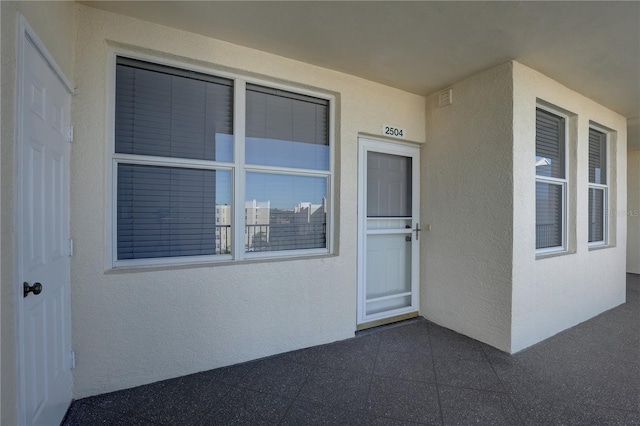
{"points": [[551, 180], [597, 185], [286, 170], [186, 163], [239, 120]]}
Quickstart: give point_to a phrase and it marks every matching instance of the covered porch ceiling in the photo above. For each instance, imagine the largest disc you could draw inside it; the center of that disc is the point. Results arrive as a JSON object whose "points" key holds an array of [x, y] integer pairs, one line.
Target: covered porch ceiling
{"points": [[592, 47]]}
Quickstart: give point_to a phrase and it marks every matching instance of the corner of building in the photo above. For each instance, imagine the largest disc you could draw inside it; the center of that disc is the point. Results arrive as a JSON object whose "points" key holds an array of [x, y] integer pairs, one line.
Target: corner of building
{"points": [[467, 200]]}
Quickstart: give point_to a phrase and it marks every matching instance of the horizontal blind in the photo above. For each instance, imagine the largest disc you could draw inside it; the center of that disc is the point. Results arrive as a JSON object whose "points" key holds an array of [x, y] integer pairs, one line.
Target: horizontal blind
{"points": [[278, 114], [597, 157], [596, 214], [160, 112], [549, 215], [550, 144], [290, 232], [165, 212], [285, 129]]}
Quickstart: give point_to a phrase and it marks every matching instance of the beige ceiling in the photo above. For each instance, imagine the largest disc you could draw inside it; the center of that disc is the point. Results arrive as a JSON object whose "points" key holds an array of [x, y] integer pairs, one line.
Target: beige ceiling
{"points": [[592, 47]]}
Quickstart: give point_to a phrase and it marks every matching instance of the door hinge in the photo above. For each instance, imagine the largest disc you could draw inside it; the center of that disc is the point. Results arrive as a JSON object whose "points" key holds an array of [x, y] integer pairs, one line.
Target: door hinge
{"points": [[70, 134], [70, 247], [72, 360]]}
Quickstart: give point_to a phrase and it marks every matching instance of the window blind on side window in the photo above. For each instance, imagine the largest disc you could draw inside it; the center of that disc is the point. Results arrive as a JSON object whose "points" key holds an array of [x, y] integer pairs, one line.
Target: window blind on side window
{"points": [[162, 113], [550, 180], [596, 214], [550, 145], [549, 214], [597, 157]]}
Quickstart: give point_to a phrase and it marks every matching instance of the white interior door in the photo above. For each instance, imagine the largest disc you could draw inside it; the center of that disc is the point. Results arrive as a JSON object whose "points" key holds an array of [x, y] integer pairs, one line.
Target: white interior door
{"points": [[388, 231], [44, 323]]}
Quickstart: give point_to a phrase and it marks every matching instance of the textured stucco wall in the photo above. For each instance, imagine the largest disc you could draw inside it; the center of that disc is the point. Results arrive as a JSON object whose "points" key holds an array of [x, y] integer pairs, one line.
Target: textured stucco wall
{"points": [[552, 294], [633, 212], [138, 327], [467, 198], [55, 25]]}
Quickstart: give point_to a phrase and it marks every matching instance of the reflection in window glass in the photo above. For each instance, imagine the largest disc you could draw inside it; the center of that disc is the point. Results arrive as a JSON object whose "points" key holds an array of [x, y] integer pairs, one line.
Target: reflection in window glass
{"points": [[285, 212]]}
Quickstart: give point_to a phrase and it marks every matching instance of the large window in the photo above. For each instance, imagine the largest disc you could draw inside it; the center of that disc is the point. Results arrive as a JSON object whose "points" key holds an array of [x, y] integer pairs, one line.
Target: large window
{"points": [[598, 189], [187, 189], [551, 181]]}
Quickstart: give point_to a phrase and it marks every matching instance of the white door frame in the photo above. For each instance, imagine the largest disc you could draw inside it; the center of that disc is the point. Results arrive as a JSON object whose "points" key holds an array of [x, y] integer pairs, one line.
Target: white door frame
{"points": [[25, 34], [366, 144]]}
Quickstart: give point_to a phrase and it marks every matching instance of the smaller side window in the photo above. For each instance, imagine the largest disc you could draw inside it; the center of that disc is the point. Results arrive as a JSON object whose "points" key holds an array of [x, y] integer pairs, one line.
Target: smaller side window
{"points": [[551, 182], [598, 187]]}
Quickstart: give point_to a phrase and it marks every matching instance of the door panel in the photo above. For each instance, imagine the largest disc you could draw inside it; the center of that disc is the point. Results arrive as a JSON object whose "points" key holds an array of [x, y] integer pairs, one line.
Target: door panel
{"points": [[44, 318], [387, 215], [34, 216], [388, 265]]}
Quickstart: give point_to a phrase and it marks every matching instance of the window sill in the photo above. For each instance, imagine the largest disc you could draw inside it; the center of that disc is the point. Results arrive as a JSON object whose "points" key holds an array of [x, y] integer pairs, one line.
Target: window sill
{"points": [[548, 255], [596, 247], [212, 264]]}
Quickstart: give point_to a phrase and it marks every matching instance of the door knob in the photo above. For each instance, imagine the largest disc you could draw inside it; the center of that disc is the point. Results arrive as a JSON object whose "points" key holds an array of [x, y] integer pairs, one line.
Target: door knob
{"points": [[36, 288]]}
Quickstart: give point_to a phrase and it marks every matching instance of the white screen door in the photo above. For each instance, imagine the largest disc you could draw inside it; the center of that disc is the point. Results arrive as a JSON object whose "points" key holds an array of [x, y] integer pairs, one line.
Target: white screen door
{"points": [[44, 324], [388, 231]]}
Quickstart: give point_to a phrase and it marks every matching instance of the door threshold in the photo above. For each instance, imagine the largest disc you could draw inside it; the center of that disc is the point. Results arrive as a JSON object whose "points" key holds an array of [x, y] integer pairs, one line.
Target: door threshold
{"points": [[384, 321]]}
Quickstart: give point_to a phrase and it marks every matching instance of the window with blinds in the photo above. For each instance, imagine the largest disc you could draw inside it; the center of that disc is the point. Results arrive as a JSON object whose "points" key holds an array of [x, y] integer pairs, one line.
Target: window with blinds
{"points": [[551, 181], [167, 211], [287, 164], [167, 112], [174, 196], [286, 129], [598, 187]]}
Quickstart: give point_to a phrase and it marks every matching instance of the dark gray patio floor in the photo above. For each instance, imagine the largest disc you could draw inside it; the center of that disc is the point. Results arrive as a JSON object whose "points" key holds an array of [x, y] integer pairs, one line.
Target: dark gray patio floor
{"points": [[411, 373]]}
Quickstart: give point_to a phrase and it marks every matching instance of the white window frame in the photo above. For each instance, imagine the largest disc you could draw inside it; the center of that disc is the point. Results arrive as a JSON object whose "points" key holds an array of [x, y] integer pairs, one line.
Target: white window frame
{"points": [[237, 167], [604, 188], [563, 183]]}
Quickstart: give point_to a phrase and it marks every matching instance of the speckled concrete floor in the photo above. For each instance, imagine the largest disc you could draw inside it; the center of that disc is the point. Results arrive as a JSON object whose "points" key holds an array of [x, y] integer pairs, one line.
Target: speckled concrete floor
{"points": [[410, 373]]}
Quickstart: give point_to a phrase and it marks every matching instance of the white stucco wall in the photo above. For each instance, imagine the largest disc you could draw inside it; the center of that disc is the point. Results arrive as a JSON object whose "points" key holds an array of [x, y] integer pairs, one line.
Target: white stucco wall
{"points": [[138, 327], [552, 294], [633, 212], [55, 25], [467, 198]]}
